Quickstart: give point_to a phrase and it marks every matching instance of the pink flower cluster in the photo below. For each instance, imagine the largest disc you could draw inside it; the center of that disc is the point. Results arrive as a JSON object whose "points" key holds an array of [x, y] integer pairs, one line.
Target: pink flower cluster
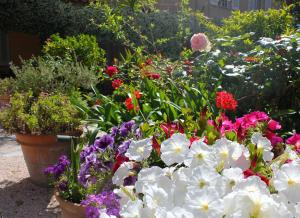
{"points": [[243, 124]]}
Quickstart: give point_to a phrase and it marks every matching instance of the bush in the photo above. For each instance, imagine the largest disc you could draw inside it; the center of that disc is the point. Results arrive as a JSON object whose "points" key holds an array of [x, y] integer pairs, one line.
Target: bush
{"points": [[49, 75], [81, 48], [7, 86], [115, 27], [47, 114], [269, 23]]}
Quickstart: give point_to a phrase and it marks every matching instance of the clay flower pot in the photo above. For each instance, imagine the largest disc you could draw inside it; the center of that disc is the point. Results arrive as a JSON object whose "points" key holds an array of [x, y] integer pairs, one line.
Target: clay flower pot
{"points": [[4, 100], [69, 209], [41, 151]]}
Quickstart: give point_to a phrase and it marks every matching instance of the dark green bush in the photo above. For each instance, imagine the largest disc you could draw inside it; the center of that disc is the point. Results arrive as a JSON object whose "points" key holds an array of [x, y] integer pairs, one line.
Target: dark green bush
{"points": [[81, 48]]}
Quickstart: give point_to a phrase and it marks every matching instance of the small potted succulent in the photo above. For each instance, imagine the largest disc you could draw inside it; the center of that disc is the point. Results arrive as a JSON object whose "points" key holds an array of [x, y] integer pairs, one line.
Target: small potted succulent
{"points": [[83, 185], [6, 89], [37, 122]]}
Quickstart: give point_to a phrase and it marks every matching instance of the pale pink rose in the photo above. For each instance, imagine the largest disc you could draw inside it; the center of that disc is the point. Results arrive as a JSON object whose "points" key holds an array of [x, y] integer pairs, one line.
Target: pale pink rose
{"points": [[200, 42]]}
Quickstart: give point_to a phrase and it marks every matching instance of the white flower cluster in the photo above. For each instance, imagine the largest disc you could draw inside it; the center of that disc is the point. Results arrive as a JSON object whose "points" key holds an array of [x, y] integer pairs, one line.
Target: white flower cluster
{"points": [[199, 190]]}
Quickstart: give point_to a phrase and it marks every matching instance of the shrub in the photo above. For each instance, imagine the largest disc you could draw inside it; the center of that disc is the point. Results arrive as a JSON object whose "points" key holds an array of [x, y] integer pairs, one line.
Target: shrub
{"points": [[46, 114], [7, 86], [49, 75], [269, 23], [81, 48]]}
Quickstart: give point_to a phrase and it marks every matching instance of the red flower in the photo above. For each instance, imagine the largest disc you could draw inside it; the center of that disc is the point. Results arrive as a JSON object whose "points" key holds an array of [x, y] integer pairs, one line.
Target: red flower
{"points": [[170, 128], [251, 59], [156, 145], [119, 160], [98, 102], [129, 104], [187, 62], [194, 138], [137, 94], [111, 70], [169, 69], [116, 83], [152, 75], [148, 62], [225, 101], [248, 173]]}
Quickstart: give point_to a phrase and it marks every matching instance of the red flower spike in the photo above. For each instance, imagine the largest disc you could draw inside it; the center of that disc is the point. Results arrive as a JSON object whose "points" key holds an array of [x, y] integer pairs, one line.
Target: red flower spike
{"points": [[156, 145], [153, 75], [129, 105], [170, 128], [116, 83], [119, 160], [111, 71], [148, 62], [137, 94], [248, 173], [225, 101]]}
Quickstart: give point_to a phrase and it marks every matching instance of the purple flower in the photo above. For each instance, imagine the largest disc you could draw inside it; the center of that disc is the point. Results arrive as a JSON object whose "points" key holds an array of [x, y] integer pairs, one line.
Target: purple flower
{"points": [[123, 147], [92, 212], [104, 142], [63, 185], [130, 180], [114, 131], [86, 152], [58, 169], [126, 128], [107, 200]]}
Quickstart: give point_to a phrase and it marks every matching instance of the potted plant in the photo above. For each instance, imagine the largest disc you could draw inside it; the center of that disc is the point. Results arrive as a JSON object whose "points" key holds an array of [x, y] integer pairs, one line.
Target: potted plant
{"points": [[83, 185], [6, 89], [37, 122]]}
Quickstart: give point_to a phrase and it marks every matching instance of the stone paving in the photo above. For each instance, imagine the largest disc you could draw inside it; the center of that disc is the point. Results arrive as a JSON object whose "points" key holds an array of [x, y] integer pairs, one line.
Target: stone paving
{"points": [[19, 198]]}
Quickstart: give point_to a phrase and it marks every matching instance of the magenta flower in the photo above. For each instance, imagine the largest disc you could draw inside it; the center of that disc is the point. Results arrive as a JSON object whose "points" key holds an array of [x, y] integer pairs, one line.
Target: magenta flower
{"points": [[294, 140], [273, 125]]}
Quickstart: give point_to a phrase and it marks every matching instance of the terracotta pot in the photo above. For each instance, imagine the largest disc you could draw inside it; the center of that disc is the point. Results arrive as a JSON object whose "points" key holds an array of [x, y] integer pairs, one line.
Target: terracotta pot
{"points": [[69, 209], [4, 100], [41, 151]]}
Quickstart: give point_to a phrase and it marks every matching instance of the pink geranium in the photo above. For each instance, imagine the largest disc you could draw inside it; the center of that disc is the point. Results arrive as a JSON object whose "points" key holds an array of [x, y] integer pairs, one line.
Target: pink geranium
{"points": [[200, 42], [294, 140], [273, 125]]}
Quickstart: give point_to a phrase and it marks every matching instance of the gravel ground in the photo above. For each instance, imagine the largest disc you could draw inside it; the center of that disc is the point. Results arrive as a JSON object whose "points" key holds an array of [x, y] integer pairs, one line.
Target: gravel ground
{"points": [[19, 198]]}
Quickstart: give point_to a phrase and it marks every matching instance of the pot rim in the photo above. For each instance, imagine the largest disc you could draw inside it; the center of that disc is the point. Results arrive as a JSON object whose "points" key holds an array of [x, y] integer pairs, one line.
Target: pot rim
{"points": [[64, 201]]}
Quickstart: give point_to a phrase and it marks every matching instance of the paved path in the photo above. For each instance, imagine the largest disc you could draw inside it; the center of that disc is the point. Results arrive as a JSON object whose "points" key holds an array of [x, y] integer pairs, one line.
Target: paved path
{"points": [[19, 198]]}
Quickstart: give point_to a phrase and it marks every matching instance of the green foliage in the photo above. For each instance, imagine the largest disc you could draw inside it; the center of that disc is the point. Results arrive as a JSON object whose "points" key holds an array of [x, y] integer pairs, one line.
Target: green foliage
{"points": [[49, 75], [47, 114], [267, 70], [269, 23], [116, 26], [81, 48], [7, 86]]}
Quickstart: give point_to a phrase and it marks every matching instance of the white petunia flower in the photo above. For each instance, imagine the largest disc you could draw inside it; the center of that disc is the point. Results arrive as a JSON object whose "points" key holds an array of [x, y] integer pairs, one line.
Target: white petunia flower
{"points": [[204, 203], [287, 181], [126, 193], [263, 146], [175, 149], [231, 177], [139, 150], [202, 177], [232, 154], [149, 176], [176, 212], [200, 153], [252, 184], [122, 172], [132, 209], [155, 196]]}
